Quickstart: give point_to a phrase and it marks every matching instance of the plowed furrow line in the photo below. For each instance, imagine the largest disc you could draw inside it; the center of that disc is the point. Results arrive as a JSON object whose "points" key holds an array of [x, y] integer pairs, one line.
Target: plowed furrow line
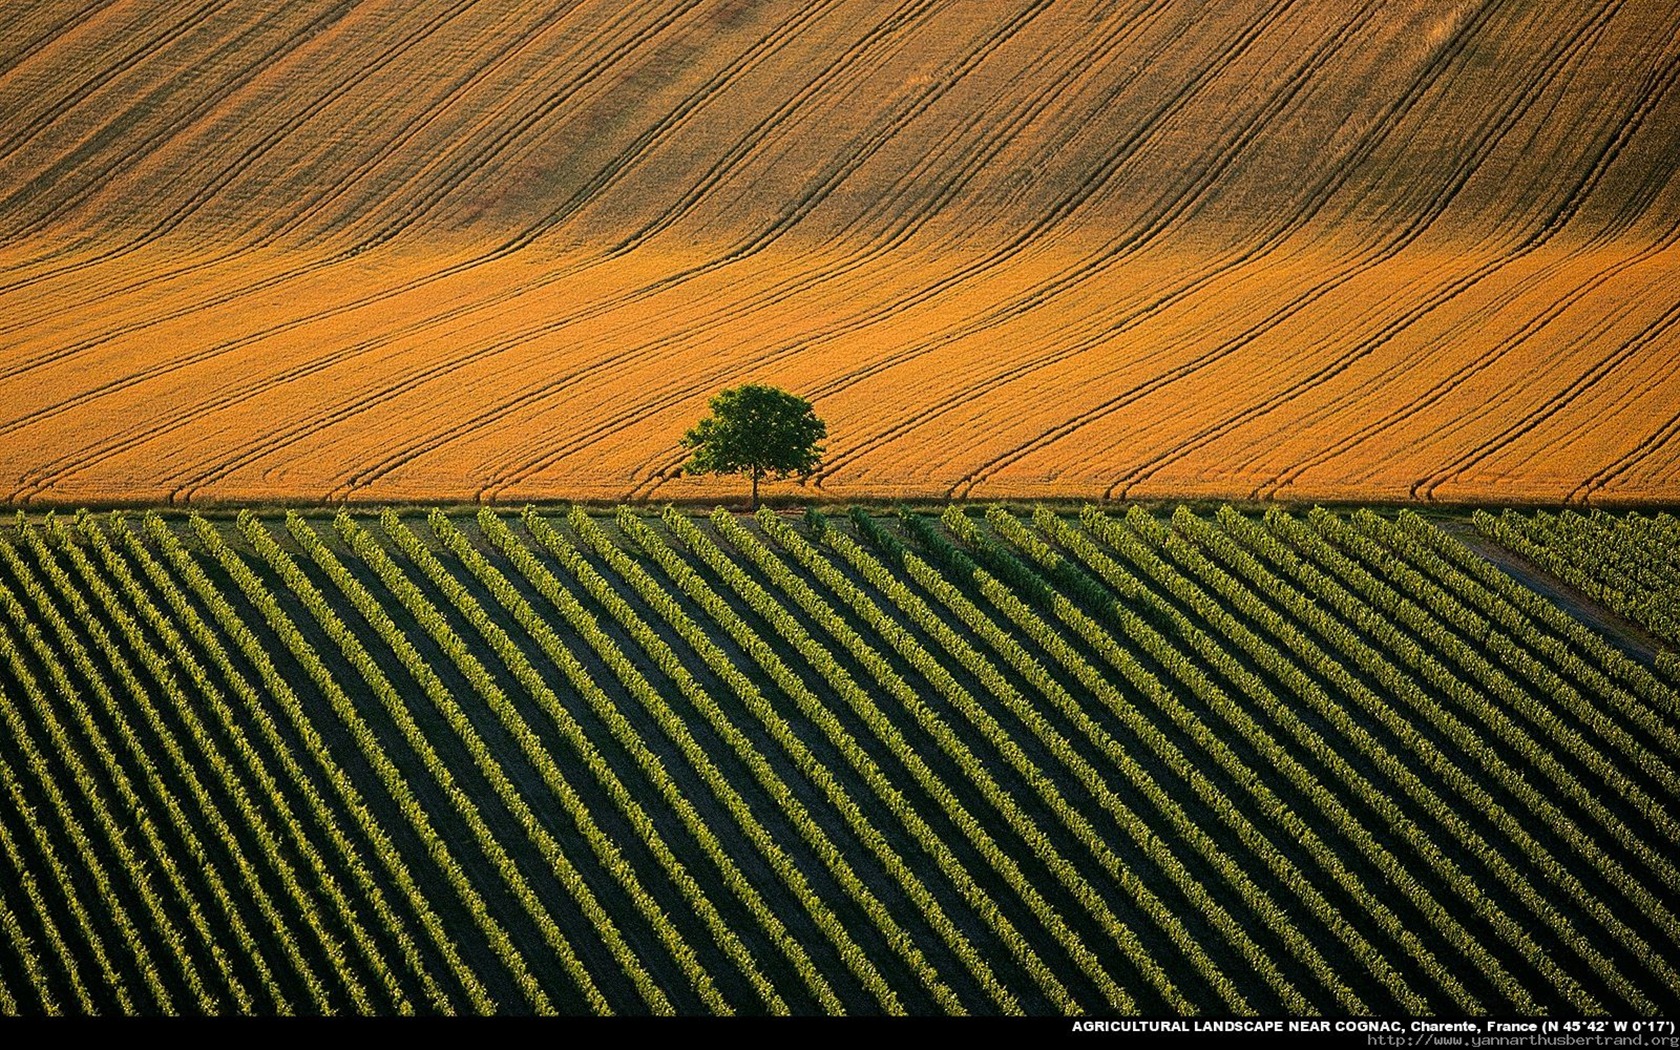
{"points": [[110, 68], [1655, 88], [1095, 265], [991, 261], [206, 190], [78, 167], [1313, 202], [752, 245], [312, 266], [1443, 198], [92, 181], [155, 371], [32, 46], [1646, 447], [475, 78], [1583, 344], [1668, 321], [1524, 333], [826, 274], [106, 390], [448, 170]]}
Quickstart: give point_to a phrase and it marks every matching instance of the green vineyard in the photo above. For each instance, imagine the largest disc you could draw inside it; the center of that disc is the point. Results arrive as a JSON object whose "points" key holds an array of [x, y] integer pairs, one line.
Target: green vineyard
{"points": [[984, 762]]}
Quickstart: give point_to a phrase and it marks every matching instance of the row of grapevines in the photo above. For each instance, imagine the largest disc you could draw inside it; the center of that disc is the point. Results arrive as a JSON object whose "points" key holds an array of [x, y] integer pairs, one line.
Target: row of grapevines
{"points": [[24, 950], [533, 572], [464, 804], [1432, 622], [1360, 788], [134, 596], [25, 879], [1393, 608], [73, 899], [1245, 599], [139, 754], [281, 692], [797, 751], [1448, 870], [1602, 557], [123, 784], [1321, 587], [789, 630], [1604, 672], [1281, 866], [954, 693], [1050, 688], [1128, 821], [1607, 729], [48, 781], [508, 597], [882, 674], [606, 851], [231, 783], [1176, 662], [391, 778], [1017, 611], [586, 626]]}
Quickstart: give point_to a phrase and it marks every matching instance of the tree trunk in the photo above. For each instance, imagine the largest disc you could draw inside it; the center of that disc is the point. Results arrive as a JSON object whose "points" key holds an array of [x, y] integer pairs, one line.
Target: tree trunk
{"points": [[755, 476]]}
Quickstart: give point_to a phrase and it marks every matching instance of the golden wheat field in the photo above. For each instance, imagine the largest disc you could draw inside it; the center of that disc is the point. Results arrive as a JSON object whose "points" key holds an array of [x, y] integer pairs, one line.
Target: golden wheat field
{"points": [[382, 250]]}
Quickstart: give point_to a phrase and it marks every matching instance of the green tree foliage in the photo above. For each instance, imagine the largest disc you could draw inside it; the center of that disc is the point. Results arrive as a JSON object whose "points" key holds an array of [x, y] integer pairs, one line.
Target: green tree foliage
{"points": [[756, 430]]}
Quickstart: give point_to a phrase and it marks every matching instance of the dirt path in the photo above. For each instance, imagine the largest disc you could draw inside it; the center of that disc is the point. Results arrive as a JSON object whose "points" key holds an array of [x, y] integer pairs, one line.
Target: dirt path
{"points": [[1617, 629]]}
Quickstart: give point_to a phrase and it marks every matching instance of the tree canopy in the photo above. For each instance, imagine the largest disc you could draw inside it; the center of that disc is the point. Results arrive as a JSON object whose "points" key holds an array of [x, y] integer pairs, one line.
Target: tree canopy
{"points": [[757, 430]]}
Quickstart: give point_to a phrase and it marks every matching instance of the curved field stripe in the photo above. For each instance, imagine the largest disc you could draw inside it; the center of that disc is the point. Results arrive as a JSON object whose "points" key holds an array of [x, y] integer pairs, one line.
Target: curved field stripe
{"points": [[1658, 328], [945, 284], [79, 165], [876, 246], [1649, 96], [1111, 255], [807, 198], [207, 189], [751, 246], [499, 252], [255, 241], [1465, 167]]}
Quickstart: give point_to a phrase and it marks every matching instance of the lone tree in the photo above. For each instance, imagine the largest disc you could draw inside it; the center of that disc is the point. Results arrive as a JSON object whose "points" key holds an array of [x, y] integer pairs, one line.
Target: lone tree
{"points": [[757, 430]]}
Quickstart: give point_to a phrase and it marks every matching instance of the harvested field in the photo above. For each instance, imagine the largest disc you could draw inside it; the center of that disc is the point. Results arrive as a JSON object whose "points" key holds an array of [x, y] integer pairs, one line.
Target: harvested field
{"points": [[391, 250]]}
